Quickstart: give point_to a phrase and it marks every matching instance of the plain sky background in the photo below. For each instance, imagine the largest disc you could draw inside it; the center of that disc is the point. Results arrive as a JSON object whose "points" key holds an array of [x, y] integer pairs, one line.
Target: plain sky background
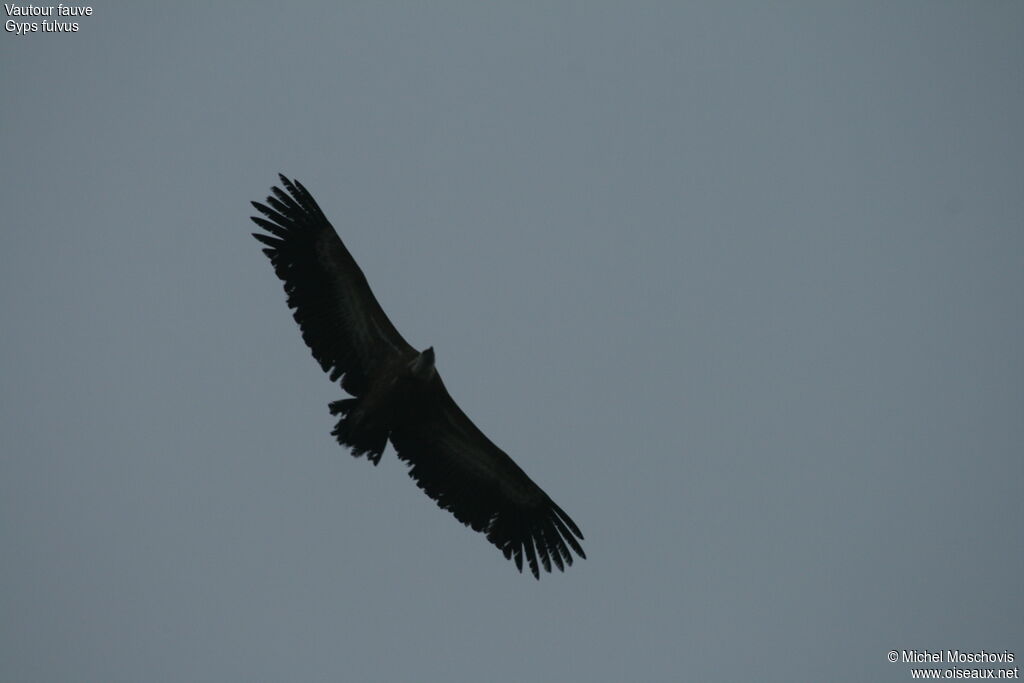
{"points": [[739, 284]]}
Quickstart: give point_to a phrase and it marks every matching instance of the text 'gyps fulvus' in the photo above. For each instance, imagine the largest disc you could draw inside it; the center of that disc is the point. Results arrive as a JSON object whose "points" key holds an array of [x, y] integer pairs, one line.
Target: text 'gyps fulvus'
{"points": [[398, 394]]}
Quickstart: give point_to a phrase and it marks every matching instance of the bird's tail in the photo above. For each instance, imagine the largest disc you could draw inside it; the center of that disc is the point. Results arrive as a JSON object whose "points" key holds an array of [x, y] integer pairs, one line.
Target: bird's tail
{"points": [[353, 430]]}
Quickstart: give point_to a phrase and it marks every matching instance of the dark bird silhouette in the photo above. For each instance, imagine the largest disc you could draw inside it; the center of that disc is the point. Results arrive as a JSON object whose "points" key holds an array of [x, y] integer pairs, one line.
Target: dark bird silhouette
{"points": [[397, 393]]}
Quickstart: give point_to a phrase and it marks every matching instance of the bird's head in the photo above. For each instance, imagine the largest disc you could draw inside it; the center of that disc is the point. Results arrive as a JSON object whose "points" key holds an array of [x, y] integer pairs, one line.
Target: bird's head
{"points": [[423, 366]]}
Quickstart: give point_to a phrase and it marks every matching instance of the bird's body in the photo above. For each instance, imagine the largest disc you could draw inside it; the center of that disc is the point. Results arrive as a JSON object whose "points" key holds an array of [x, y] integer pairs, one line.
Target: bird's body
{"points": [[397, 395], [396, 387]]}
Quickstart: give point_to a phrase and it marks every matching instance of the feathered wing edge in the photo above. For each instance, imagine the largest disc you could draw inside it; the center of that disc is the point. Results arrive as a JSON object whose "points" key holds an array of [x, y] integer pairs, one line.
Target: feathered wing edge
{"points": [[341, 321], [465, 473]]}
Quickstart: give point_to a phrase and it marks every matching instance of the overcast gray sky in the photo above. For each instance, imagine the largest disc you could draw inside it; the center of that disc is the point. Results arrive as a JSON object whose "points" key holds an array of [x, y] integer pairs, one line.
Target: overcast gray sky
{"points": [[739, 284]]}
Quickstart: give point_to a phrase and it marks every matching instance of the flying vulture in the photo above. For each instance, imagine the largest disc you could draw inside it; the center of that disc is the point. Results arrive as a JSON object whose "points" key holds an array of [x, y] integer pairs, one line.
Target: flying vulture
{"points": [[397, 393]]}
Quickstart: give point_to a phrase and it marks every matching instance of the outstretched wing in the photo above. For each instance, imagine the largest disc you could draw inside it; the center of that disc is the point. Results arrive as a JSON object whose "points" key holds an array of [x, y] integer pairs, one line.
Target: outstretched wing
{"points": [[461, 469], [341, 321]]}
